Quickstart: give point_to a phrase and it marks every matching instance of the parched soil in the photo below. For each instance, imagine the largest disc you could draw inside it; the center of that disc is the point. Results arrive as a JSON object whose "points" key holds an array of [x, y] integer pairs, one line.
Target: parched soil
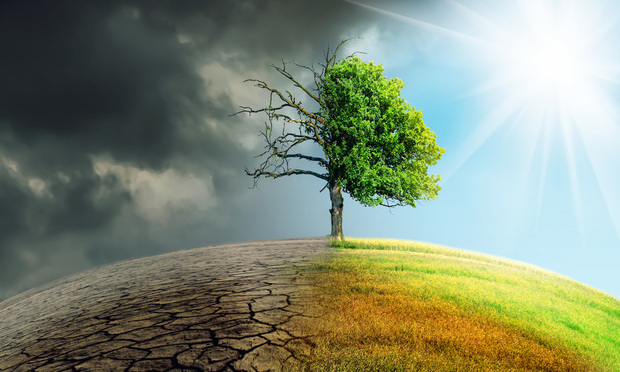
{"points": [[230, 307]]}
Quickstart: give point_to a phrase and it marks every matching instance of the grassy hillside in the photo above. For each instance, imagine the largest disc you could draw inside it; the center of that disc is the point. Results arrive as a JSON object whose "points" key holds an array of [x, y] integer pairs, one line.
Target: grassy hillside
{"points": [[395, 305]]}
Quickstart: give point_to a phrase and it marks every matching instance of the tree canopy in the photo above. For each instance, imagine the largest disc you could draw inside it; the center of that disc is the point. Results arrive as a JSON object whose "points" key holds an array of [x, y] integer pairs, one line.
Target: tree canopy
{"points": [[376, 146]]}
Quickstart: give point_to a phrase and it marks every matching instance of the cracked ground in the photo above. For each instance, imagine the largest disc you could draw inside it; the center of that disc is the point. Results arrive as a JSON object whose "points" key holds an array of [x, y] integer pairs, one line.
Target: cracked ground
{"points": [[230, 307]]}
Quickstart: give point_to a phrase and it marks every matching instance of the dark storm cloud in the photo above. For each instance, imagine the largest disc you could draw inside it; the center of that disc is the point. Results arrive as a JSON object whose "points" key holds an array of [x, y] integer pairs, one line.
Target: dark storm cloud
{"points": [[123, 84], [91, 76]]}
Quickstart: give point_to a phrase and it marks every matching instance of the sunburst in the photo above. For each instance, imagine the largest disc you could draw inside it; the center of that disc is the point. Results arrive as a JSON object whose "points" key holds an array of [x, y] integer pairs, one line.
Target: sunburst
{"points": [[549, 64]]}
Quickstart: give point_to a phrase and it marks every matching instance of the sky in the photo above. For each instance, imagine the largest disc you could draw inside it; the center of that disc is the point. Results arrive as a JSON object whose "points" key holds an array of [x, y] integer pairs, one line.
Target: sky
{"points": [[117, 140]]}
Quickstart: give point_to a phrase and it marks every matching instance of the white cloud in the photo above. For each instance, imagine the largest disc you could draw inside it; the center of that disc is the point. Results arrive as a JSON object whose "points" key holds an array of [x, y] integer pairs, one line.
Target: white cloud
{"points": [[9, 164], [157, 195], [184, 39], [36, 185], [223, 82], [63, 177]]}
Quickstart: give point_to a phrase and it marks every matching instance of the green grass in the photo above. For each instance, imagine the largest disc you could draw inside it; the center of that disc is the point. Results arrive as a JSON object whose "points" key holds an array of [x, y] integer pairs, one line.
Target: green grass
{"points": [[397, 305]]}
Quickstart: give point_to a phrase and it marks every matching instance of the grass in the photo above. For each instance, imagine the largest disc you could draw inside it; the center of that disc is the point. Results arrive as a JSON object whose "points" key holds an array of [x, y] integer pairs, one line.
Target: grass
{"points": [[392, 305]]}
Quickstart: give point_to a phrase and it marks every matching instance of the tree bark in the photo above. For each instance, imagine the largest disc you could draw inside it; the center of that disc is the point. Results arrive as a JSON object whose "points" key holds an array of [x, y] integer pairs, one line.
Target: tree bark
{"points": [[335, 194]]}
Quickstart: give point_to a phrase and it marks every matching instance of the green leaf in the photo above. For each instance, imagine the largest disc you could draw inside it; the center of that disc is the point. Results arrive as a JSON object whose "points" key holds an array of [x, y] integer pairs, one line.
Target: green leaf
{"points": [[379, 148]]}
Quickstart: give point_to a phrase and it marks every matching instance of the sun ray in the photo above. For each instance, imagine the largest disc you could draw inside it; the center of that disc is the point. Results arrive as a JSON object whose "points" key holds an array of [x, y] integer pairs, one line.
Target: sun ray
{"points": [[547, 80], [428, 26], [544, 166], [599, 139], [490, 124], [569, 149]]}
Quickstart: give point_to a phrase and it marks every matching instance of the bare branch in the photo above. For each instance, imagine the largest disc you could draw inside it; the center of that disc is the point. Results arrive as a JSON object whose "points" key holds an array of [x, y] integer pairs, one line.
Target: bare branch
{"points": [[259, 172], [317, 75], [279, 147], [306, 157], [287, 75], [330, 60], [287, 102], [392, 205], [290, 101]]}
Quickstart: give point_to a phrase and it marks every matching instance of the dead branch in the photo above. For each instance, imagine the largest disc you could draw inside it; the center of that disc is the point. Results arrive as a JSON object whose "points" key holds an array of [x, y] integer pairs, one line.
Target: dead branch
{"points": [[308, 125]]}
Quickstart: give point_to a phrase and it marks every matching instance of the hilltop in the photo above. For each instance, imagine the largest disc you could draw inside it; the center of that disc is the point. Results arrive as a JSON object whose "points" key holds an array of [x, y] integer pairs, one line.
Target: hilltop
{"points": [[399, 305], [296, 304]]}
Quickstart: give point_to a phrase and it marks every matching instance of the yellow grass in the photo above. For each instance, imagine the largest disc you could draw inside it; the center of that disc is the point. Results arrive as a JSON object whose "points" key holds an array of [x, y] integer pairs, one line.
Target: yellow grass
{"points": [[418, 307]]}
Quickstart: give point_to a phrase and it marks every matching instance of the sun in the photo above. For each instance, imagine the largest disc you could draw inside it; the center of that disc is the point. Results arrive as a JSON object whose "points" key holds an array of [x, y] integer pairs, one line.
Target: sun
{"points": [[547, 69], [546, 54], [552, 64]]}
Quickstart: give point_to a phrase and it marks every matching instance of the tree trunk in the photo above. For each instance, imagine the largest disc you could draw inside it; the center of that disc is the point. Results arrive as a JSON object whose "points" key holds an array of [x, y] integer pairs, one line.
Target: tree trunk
{"points": [[335, 194]]}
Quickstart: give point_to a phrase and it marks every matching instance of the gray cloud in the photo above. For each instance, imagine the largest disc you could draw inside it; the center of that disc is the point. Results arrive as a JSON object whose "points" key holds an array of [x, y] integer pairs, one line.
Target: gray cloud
{"points": [[115, 134]]}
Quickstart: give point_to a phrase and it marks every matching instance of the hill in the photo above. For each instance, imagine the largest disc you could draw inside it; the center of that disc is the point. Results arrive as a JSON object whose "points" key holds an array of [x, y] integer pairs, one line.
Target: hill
{"points": [[293, 304], [227, 307], [392, 305]]}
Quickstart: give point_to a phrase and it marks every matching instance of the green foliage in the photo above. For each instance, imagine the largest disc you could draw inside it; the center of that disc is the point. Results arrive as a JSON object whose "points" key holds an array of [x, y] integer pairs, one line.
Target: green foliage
{"points": [[343, 244], [552, 308], [378, 147]]}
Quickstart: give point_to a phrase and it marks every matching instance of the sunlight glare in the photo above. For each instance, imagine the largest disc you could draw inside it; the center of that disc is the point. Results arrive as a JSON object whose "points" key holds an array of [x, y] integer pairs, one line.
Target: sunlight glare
{"points": [[552, 63], [546, 66]]}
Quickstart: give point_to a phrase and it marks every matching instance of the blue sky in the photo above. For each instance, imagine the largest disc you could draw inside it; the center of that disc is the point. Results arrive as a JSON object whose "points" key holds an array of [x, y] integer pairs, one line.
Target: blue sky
{"points": [[117, 140], [531, 129]]}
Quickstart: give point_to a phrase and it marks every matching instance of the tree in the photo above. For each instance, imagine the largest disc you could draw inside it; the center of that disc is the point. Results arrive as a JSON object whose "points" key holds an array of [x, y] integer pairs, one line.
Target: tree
{"points": [[376, 146]]}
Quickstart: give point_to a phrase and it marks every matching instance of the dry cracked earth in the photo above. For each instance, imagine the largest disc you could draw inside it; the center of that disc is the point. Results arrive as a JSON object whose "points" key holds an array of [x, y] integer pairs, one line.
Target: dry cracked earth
{"points": [[230, 307]]}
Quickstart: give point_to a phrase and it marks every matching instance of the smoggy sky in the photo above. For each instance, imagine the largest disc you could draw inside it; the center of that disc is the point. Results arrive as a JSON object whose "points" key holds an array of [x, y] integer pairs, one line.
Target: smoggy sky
{"points": [[116, 139]]}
